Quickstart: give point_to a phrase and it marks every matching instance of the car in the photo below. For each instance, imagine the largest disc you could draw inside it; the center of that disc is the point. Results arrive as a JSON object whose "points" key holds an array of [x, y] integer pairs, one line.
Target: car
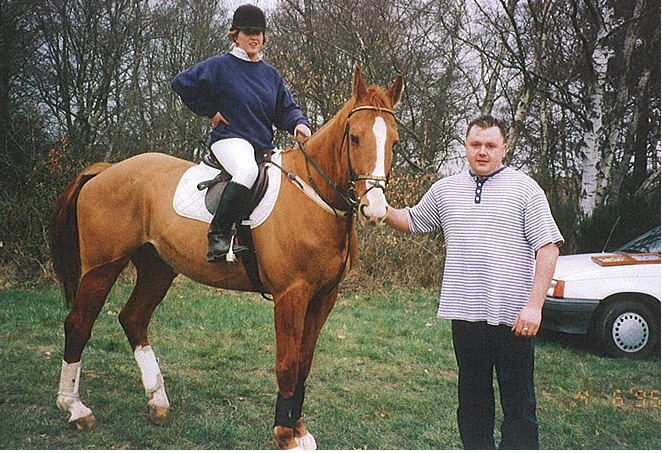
{"points": [[614, 298]]}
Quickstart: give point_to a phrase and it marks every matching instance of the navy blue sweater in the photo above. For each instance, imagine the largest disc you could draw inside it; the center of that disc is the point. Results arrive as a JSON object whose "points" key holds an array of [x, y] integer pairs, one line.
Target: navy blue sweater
{"points": [[250, 95]]}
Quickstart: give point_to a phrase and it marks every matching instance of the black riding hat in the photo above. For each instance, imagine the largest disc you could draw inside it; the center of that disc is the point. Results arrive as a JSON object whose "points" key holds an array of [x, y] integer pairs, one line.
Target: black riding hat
{"points": [[249, 18]]}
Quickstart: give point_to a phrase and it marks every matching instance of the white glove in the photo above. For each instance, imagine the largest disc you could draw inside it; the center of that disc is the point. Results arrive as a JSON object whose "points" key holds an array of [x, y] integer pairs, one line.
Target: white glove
{"points": [[303, 130]]}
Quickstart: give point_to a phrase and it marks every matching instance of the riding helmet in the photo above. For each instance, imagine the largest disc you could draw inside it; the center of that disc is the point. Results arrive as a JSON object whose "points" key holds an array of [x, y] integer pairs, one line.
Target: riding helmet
{"points": [[249, 18]]}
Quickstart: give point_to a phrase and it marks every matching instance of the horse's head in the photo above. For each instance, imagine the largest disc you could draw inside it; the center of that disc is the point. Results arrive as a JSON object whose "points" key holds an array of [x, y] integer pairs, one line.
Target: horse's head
{"points": [[370, 135]]}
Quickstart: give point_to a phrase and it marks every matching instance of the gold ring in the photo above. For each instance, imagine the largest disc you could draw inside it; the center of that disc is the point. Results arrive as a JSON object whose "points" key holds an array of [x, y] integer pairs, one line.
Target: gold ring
{"points": [[526, 329]]}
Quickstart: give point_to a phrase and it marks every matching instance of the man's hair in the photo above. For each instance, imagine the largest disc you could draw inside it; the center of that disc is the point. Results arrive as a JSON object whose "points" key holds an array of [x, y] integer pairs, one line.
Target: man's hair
{"points": [[487, 121]]}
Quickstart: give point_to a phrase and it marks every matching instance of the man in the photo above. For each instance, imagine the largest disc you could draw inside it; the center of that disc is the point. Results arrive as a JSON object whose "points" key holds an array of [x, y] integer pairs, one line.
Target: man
{"points": [[502, 245]]}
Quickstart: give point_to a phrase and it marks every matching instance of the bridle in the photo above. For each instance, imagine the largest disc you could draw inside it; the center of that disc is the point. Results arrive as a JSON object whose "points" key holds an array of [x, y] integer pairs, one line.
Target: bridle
{"points": [[353, 177], [348, 195]]}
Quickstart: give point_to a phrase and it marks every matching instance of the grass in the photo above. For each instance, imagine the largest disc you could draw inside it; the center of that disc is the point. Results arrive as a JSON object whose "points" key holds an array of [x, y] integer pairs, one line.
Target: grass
{"points": [[383, 378]]}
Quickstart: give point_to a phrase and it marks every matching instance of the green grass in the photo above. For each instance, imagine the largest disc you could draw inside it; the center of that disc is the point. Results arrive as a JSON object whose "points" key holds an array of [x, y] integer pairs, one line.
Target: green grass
{"points": [[383, 378]]}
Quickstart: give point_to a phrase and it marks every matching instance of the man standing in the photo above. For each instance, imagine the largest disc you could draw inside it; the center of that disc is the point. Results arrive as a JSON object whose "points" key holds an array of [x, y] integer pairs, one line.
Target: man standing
{"points": [[502, 245]]}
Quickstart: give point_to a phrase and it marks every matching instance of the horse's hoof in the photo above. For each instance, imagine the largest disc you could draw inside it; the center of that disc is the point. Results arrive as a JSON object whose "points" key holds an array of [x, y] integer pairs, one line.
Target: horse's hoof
{"points": [[83, 423], [159, 415], [306, 442]]}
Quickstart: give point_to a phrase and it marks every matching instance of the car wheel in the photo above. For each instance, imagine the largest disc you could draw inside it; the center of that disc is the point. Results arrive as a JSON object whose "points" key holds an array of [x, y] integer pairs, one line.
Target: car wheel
{"points": [[627, 328]]}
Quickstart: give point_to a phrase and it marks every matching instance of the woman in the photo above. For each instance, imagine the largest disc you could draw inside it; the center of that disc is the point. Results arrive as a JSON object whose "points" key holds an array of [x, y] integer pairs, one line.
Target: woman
{"points": [[244, 98]]}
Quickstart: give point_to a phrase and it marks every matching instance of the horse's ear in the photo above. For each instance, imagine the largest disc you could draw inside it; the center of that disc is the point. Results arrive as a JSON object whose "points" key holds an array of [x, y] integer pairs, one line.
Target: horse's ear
{"points": [[394, 92], [360, 89]]}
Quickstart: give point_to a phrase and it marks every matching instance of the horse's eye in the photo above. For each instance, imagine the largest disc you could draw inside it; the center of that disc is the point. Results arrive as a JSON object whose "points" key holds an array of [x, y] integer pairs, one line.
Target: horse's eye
{"points": [[354, 138]]}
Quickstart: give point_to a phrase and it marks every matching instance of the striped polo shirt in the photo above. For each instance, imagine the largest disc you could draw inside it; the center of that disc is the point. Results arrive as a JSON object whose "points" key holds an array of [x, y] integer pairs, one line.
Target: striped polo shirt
{"points": [[492, 227]]}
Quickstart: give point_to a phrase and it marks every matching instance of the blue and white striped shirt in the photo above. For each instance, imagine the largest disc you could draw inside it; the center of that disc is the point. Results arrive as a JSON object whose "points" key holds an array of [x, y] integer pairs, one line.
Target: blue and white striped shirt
{"points": [[492, 229]]}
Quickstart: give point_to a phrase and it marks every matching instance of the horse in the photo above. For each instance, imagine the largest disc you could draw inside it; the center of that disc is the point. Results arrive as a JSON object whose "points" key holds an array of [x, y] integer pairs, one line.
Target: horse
{"points": [[113, 214]]}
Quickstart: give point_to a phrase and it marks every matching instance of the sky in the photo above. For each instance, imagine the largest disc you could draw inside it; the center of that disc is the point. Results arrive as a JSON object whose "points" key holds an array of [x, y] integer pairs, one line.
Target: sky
{"points": [[264, 4]]}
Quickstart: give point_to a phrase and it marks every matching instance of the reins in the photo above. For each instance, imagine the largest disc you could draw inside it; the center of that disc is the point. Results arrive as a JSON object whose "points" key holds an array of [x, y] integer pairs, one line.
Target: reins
{"points": [[349, 195]]}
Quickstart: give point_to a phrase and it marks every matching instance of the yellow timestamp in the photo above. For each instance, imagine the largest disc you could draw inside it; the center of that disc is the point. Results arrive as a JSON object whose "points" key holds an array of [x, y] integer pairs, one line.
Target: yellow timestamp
{"points": [[620, 398]]}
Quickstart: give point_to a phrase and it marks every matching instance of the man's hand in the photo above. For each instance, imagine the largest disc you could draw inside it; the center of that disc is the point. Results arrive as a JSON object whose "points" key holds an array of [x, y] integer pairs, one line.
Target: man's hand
{"points": [[528, 321]]}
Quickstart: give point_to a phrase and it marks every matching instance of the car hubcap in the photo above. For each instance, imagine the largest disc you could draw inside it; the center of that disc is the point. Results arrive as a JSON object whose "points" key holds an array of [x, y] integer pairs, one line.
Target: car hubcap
{"points": [[630, 332]]}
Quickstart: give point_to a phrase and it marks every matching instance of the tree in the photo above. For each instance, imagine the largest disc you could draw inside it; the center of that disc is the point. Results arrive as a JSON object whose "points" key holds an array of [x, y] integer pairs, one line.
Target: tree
{"points": [[578, 81], [395, 36], [80, 59]]}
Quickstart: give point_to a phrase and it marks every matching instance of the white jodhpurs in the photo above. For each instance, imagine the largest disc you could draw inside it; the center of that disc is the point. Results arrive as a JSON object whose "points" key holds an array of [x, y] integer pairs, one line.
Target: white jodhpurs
{"points": [[238, 157]]}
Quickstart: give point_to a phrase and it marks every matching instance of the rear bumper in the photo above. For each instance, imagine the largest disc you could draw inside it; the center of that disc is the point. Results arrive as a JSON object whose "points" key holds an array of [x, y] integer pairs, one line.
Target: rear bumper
{"points": [[568, 315]]}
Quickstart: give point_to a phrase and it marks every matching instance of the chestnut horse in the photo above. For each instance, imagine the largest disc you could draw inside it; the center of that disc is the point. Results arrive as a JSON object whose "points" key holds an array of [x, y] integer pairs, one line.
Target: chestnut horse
{"points": [[115, 213]]}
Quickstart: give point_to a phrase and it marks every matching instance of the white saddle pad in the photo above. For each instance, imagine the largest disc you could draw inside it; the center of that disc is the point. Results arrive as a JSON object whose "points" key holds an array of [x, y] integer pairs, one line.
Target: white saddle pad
{"points": [[190, 202]]}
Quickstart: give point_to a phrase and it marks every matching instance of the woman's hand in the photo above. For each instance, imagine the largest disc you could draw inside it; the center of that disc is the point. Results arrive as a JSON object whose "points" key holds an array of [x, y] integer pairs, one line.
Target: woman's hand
{"points": [[302, 129], [217, 119]]}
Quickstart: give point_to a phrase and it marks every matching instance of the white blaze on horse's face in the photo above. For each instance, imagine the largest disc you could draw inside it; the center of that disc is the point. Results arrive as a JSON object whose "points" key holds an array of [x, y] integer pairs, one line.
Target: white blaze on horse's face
{"points": [[375, 209]]}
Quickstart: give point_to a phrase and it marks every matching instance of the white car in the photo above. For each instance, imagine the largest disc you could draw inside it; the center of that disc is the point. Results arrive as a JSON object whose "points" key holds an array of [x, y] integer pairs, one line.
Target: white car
{"points": [[613, 297]]}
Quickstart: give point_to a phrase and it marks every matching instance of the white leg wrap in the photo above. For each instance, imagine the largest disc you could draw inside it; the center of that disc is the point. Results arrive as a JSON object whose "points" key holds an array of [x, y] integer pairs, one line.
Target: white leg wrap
{"points": [[68, 399], [151, 376], [306, 442], [159, 398]]}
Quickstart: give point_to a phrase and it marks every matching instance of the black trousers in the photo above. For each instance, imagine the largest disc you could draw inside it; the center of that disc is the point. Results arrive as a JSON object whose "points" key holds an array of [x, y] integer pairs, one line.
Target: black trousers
{"points": [[479, 349]]}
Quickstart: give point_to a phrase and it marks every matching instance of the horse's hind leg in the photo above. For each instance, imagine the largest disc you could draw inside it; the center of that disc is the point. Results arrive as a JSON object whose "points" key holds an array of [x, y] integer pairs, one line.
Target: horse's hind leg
{"points": [[92, 292], [154, 278]]}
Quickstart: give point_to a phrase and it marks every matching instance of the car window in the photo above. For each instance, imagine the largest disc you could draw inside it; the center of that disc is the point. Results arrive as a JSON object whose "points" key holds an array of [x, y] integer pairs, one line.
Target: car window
{"points": [[647, 242]]}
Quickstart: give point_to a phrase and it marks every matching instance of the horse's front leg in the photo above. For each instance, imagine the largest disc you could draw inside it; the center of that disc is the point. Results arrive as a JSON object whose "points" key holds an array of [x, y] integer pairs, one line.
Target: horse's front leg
{"points": [[316, 315], [289, 317]]}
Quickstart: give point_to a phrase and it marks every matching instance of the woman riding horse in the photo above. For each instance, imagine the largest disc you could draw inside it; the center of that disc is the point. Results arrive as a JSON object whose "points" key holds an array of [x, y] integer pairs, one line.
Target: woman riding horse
{"points": [[252, 98]]}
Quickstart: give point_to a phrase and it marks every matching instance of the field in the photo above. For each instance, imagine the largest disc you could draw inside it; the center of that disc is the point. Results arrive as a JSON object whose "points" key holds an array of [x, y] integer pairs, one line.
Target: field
{"points": [[383, 378]]}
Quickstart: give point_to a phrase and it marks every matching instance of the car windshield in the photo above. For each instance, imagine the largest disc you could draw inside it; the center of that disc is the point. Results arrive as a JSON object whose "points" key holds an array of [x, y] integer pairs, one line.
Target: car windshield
{"points": [[647, 242]]}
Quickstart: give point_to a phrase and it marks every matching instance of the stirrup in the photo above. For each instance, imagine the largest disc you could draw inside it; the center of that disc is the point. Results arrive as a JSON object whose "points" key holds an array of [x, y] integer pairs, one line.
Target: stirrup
{"points": [[230, 257], [228, 254]]}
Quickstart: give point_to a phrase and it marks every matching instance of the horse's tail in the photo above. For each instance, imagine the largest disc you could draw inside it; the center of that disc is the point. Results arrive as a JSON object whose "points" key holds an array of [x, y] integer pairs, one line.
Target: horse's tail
{"points": [[63, 233]]}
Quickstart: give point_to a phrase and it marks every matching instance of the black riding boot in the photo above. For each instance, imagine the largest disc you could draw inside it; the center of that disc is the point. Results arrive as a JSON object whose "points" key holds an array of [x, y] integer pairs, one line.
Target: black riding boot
{"points": [[232, 209]]}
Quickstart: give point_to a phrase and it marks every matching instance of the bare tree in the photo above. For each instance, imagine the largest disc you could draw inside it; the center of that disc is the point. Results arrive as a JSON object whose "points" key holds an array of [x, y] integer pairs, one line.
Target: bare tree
{"points": [[414, 37], [607, 45]]}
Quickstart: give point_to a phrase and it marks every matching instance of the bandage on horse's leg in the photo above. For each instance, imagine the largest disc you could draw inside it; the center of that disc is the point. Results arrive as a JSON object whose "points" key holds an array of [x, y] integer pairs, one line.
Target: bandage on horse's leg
{"points": [[90, 297], [153, 280], [316, 315], [68, 399], [289, 316]]}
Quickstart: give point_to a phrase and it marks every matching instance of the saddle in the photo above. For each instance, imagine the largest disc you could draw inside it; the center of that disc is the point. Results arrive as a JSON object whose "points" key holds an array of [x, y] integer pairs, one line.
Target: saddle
{"points": [[243, 245]]}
